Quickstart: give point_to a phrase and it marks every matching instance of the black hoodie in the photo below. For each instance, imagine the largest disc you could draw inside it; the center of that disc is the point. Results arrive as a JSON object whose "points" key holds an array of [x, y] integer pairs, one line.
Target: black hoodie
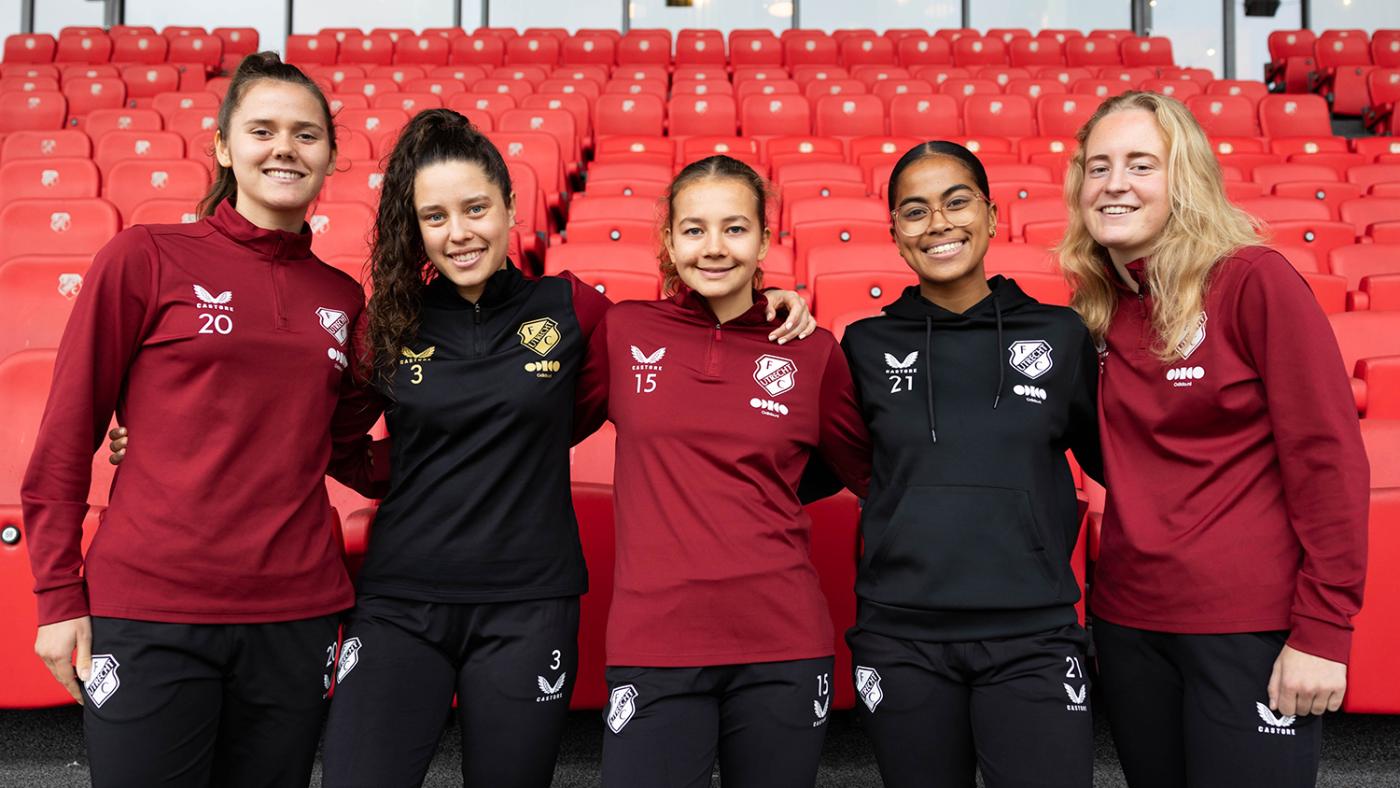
{"points": [[972, 513]]}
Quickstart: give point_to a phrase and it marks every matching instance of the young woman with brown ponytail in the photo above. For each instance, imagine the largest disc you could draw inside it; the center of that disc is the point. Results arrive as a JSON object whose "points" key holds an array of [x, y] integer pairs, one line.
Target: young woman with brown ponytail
{"points": [[204, 614]]}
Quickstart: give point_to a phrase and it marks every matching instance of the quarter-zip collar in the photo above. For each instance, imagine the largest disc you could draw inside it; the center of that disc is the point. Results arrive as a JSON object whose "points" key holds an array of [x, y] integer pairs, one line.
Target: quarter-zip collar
{"points": [[1137, 269], [274, 244], [695, 304], [501, 287]]}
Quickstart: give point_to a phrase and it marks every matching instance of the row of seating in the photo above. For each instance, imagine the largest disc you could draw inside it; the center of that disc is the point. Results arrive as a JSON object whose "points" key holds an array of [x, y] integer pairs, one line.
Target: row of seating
{"points": [[745, 47], [1334, 64], [213, 50]]}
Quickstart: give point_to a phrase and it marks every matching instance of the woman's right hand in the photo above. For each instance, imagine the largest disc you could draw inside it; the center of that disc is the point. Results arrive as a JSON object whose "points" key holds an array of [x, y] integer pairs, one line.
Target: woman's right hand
{"points": [[55, 646], [118, 445]]}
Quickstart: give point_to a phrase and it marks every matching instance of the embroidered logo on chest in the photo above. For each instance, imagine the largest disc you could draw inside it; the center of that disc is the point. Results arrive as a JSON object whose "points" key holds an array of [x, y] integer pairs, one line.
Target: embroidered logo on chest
{"points": [[1031, 357], [1194, 338], [901, 371], [775, 374], [334, 321], [541, 335], [646, 368]]}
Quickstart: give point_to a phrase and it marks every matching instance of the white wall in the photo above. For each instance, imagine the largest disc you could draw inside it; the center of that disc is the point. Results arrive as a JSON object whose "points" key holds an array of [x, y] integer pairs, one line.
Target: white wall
{"points": [[1195, 28], [1365, 14], [722, 15], [50, 16], [880, 15], [1038, 14], [9, 18], [1252, 36], [568, 14], [268, 16], [308, 16]]}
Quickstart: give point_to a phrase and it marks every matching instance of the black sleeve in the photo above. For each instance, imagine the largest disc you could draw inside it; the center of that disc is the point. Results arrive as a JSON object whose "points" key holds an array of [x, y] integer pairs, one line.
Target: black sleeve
{"points": [[1083, 431]]}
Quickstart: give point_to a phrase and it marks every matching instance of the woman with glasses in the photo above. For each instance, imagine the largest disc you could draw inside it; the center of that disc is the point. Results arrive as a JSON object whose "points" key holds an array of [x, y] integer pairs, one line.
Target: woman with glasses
{"points": [[967, 650]]}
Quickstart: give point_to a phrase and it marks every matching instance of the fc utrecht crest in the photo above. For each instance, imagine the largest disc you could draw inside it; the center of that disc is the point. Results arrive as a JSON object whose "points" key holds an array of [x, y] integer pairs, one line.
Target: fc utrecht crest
{"points": [[103, 681], [1031, 357], [775, 374], [334, 321]]}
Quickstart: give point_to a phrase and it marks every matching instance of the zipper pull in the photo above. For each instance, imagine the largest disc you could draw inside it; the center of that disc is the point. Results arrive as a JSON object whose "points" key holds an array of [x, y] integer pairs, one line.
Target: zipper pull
{"points": [[476, 311], [719, 334]]}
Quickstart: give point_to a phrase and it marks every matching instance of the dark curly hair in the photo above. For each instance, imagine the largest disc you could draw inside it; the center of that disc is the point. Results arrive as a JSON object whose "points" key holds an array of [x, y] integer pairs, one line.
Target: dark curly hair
{"points": [[399, 266], [252, 69], [719, 167]]}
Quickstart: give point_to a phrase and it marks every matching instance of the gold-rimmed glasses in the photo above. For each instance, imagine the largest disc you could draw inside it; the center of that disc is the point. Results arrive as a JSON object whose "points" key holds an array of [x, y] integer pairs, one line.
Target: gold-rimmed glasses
{"points": [[959, 210]]}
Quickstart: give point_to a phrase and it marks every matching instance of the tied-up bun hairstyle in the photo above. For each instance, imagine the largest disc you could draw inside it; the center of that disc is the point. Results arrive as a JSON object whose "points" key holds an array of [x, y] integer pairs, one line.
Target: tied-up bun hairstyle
{"points": [[251, 70], [940, 148], [720, 167], [1203, 227], [399, 265]]}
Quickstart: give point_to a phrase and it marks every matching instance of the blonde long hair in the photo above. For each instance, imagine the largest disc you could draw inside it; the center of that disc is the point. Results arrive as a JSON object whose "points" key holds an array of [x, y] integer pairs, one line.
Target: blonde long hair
{"points": [[1202, 228]]}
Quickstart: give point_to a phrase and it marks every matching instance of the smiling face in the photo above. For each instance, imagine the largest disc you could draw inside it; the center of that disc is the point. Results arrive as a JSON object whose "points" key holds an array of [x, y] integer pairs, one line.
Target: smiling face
{"points": [[279, 150], [1124, 200], [465, 222], [716, 240], [943, 255]]}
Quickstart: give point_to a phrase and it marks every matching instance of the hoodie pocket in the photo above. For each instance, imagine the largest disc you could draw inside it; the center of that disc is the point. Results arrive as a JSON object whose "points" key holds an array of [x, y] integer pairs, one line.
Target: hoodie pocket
{"points": [[954, 547]]}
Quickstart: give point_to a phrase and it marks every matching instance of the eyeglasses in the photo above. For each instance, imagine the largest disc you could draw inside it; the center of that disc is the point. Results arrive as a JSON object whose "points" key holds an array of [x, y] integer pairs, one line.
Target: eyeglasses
{"points": [[960, 210]]}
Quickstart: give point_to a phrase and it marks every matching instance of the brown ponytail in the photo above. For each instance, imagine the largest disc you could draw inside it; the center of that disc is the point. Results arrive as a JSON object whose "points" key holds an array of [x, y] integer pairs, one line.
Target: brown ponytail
{"points": [[258, 66]]}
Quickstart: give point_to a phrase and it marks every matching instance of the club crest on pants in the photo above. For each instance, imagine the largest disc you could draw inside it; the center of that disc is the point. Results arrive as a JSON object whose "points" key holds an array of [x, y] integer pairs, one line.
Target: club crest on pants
{"points": [[103, 682], [349, 658], [868, 686], [622, 706]]}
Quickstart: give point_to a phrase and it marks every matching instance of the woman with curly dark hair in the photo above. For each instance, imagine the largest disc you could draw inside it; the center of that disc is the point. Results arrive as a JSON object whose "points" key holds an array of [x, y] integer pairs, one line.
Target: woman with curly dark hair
{"points": [[471, 582]]}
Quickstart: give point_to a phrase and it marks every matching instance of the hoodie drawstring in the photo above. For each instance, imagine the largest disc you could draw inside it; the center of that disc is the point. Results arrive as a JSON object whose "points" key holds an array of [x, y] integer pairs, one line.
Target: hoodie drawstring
{"points": [[1001, 368], [928, 376]]}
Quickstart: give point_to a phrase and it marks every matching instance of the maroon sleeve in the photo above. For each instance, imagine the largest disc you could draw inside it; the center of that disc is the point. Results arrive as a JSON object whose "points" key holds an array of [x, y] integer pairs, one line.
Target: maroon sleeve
{"points": [[356, 461], [111, 316], [589, 304], [843, 440], [591, 396], [1326, 477]]}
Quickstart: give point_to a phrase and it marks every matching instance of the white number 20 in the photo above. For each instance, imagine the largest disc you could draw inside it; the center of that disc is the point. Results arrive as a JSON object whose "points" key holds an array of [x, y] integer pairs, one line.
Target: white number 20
{"points": [[216, 324]]}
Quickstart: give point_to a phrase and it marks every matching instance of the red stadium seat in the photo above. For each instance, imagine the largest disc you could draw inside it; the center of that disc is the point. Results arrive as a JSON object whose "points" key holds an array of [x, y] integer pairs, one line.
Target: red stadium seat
{"points": [[1318, 236], [1063, 116], [30, 48], [94, 48], [1036, 52], [426, 50], [36, 110], [775, 115], [618, 231], [640, 47], [120, 145], [477, 105], [1370, 685], [1001, 115], [1329, 194], [810, 48], [1364, 212], [340, 229], [926, 117], [855, 256], [1224, 116], [622, 114], [850, 116], [755, 48], [1013, 259], [1290, 60], [63, 143], [48, 178], [1357, 263], [318, 49], [836, 294], [380, 125], [921, 50], [593, 505], [807, 236], [480, 49], [59, 227], [1023, 212], [1294, 116], [970, 52], [601, 255], [533, 50], [1154, 51], [588, 49], [370, 48], [167, 104], [1092, 52], [1370, 345], [867, 50], [358, 181], [140, 48], [627, 285], [1179, 89], [36, 296], [131, 182], [201, 49], [1267, 175], [697, 49], [1369, 175], [238, 41], [177, 211]]}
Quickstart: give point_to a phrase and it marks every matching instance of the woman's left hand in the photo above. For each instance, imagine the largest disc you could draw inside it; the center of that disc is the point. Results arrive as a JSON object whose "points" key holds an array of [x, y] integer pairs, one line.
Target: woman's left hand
{"points": [[1304, 684], [799, 323]]}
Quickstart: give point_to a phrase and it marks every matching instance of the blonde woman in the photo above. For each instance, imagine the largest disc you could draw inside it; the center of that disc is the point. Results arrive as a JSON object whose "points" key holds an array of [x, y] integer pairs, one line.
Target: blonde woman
{"points": [[1234, 542]]}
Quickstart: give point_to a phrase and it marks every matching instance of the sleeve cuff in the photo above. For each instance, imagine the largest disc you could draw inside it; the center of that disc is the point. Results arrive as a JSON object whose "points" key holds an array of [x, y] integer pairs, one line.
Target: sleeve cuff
{"points": [[61, 604], [1321, 639]]}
